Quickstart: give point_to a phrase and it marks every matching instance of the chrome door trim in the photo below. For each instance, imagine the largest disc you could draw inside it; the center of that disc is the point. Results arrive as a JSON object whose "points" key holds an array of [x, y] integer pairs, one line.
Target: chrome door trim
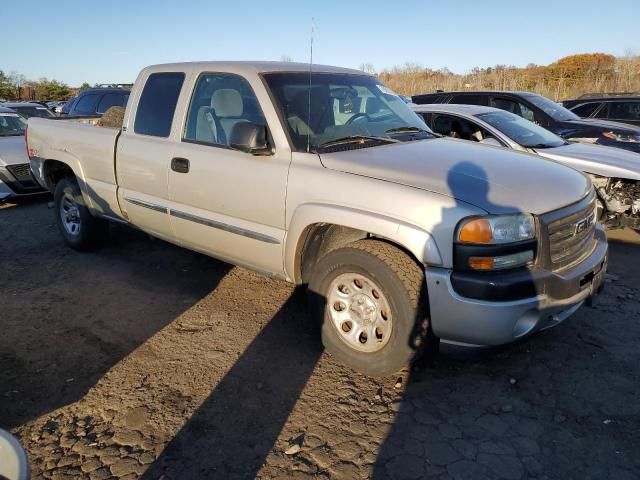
{"points": [[224, 226], [204, 221], [149, 205]]}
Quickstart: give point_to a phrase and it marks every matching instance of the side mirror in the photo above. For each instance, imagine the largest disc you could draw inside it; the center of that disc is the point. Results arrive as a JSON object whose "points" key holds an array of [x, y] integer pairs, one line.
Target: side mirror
{"points": [[13, 459], [250, 138], [491, 141]]}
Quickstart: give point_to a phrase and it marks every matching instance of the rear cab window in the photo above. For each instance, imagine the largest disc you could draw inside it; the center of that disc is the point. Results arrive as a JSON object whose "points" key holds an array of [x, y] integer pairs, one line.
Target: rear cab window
{"points": [[157, 104]]}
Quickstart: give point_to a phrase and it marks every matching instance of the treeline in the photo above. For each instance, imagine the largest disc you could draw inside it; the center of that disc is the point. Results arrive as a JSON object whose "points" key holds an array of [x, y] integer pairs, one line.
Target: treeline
{"points": [[566, 78], [15, 86]]}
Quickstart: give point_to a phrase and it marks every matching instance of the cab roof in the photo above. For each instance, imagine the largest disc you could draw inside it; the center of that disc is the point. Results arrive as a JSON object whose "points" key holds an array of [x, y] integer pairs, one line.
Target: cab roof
{"points": [[249, 67]]}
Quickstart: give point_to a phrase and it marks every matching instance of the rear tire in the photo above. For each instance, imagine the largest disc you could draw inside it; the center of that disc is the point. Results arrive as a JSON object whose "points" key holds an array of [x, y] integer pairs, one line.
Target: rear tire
{"points": [[79, 229], [371, 300]]}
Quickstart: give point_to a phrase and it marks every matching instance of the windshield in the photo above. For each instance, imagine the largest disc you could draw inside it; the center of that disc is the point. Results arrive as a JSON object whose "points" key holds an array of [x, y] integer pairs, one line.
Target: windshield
{"points": [[30, 111], [11, 124], [344, 108], [521, 131], [551, 108]]}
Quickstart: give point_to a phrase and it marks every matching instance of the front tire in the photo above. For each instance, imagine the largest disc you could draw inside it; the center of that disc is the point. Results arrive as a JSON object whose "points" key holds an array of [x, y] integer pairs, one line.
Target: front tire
{"points": [[371, 300], [79, 229]]}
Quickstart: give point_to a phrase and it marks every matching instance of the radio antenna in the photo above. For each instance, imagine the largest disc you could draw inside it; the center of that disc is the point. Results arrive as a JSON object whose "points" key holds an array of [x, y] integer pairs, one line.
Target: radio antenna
{"points": [[309, 99]]}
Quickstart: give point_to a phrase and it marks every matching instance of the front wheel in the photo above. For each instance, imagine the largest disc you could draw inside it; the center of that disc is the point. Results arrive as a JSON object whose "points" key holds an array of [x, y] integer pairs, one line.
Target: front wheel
{"points": [[80, 230], [371, 300]]}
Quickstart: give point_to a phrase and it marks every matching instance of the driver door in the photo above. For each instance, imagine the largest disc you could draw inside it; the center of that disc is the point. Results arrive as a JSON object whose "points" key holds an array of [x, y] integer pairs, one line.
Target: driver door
{"points": [[225, 202]]}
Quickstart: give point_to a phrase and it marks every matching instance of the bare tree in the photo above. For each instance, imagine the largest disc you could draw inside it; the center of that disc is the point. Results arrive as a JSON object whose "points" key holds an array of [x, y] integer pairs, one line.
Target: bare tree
{"points": [[368, 68], [17, 82]]}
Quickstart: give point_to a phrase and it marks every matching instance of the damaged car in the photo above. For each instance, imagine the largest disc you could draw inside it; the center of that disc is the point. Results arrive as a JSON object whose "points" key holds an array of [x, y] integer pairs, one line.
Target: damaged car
{"points": [[16, 178], [615, 173]]}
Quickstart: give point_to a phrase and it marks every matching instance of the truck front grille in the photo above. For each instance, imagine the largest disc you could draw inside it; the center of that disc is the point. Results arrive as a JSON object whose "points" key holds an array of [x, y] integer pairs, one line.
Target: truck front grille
{"points": [[572, 237]]}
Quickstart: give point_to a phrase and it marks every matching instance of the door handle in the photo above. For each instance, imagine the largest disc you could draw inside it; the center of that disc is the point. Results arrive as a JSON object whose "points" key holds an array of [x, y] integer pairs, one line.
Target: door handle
{"points": [[180, 165]]}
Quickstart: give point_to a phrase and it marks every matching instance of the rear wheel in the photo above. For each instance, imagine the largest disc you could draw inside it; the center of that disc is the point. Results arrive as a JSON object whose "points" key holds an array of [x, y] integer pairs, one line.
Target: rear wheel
{"points": [[80, 230], [372, 302]]}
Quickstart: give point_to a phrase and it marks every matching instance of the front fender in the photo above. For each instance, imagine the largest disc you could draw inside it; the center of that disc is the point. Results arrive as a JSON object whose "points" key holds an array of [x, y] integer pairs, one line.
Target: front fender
{"points": [[418, 241]]}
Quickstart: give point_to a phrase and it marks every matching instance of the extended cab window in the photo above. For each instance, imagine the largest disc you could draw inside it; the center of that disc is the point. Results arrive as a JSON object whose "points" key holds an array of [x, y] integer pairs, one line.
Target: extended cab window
{"points": [[219, 102], [158, 104]]}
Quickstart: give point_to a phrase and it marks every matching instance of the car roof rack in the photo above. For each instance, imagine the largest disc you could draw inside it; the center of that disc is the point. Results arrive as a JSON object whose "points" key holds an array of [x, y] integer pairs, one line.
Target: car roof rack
{"points": [[608, 94]]}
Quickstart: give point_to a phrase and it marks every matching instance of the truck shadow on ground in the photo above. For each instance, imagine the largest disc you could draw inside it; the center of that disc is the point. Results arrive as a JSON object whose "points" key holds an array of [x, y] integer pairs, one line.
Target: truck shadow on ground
{"points": [[100, 306], [233, 431]]}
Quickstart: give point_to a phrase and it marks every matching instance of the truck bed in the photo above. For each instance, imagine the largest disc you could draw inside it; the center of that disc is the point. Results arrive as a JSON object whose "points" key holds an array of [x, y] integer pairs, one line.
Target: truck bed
{"points": [[89, 150]]}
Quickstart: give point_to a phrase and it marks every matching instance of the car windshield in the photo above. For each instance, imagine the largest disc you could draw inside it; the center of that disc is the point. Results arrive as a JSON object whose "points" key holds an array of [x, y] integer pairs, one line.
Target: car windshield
{"points": [[551, 108], [324, 110], [30, 111], [521, 131], [11, 124]]}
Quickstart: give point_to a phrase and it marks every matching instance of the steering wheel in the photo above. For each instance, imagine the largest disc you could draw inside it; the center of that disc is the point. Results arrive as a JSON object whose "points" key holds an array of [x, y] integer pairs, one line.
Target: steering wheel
{"points": [[356, 117]]}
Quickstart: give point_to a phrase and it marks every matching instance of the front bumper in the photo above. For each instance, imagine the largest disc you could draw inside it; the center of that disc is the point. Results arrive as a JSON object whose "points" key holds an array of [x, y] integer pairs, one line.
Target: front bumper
{"points": [[475, 322], [18, 180]]}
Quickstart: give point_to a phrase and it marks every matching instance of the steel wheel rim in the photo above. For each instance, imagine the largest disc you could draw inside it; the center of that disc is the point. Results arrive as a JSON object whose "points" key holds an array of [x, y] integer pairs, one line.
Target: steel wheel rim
{"points": [[70, 215], [360, 312]]}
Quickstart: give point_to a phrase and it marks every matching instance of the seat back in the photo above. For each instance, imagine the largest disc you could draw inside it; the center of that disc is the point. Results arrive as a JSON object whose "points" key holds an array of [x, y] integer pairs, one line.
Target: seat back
{"points": [[229, 108]]}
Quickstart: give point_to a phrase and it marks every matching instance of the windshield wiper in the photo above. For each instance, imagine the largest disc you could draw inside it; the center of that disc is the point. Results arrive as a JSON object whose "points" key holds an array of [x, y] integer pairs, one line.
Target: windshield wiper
{"points": [[406, 130], [356, 139]]}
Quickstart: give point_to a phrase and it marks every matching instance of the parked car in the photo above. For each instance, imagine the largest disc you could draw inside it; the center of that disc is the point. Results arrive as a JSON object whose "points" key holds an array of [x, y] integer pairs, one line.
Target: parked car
{"points": [[548, 114], [95, 101], [15, 174], [623, 108], [330, 179], [29, 109], [614, 172], [64, 109]]}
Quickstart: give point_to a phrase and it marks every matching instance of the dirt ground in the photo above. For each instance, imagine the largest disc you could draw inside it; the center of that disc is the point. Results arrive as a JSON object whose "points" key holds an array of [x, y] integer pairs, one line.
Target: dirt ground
{"points": [[144, 360]]}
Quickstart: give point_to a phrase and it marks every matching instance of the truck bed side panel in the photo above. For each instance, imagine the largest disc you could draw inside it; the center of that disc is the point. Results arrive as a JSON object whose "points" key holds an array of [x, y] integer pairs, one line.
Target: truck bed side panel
{"points": [[89, 151]]}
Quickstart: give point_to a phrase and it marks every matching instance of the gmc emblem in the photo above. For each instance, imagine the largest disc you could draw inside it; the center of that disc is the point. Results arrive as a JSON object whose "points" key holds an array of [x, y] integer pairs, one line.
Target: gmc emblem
{"points": [[582, 225]]}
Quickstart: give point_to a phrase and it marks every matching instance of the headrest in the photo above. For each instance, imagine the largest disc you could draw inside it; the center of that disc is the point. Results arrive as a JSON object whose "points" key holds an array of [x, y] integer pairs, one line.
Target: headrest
{"points": [[227, 102]]}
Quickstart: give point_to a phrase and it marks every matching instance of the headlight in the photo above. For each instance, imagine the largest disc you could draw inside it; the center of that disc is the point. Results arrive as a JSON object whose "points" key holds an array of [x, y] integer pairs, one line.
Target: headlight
{"points": [[622, 137], [495, 242], [497, 229]]}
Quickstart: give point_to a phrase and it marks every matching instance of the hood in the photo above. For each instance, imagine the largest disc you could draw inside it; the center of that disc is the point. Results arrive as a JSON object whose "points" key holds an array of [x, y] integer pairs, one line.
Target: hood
{"points": [[606, 125], [596, 159], [13, 151], [492, 178]]}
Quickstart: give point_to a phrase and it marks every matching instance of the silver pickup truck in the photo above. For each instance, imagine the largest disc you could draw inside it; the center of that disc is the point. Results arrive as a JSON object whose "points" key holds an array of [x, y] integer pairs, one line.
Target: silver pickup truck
{"points": [[323, 176]]}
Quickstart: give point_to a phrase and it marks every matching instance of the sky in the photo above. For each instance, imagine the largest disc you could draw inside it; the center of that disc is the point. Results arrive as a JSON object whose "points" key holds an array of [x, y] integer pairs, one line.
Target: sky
{"points": [[110, 41]]}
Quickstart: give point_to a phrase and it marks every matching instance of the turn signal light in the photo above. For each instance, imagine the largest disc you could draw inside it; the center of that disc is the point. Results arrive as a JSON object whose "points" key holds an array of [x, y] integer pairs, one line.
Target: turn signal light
{"points": [[481, 263], [502, 261], [476, 231]]}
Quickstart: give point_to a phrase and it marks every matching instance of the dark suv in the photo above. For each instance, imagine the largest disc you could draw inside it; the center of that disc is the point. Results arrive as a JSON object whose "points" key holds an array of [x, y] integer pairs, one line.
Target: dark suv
{"points": [[613, 106], [547, 113], [95, 101]]}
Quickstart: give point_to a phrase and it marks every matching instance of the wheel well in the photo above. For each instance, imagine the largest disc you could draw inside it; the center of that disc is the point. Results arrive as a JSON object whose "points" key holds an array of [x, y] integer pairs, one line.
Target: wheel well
{"points": [[54, 171], [319, 239]]}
